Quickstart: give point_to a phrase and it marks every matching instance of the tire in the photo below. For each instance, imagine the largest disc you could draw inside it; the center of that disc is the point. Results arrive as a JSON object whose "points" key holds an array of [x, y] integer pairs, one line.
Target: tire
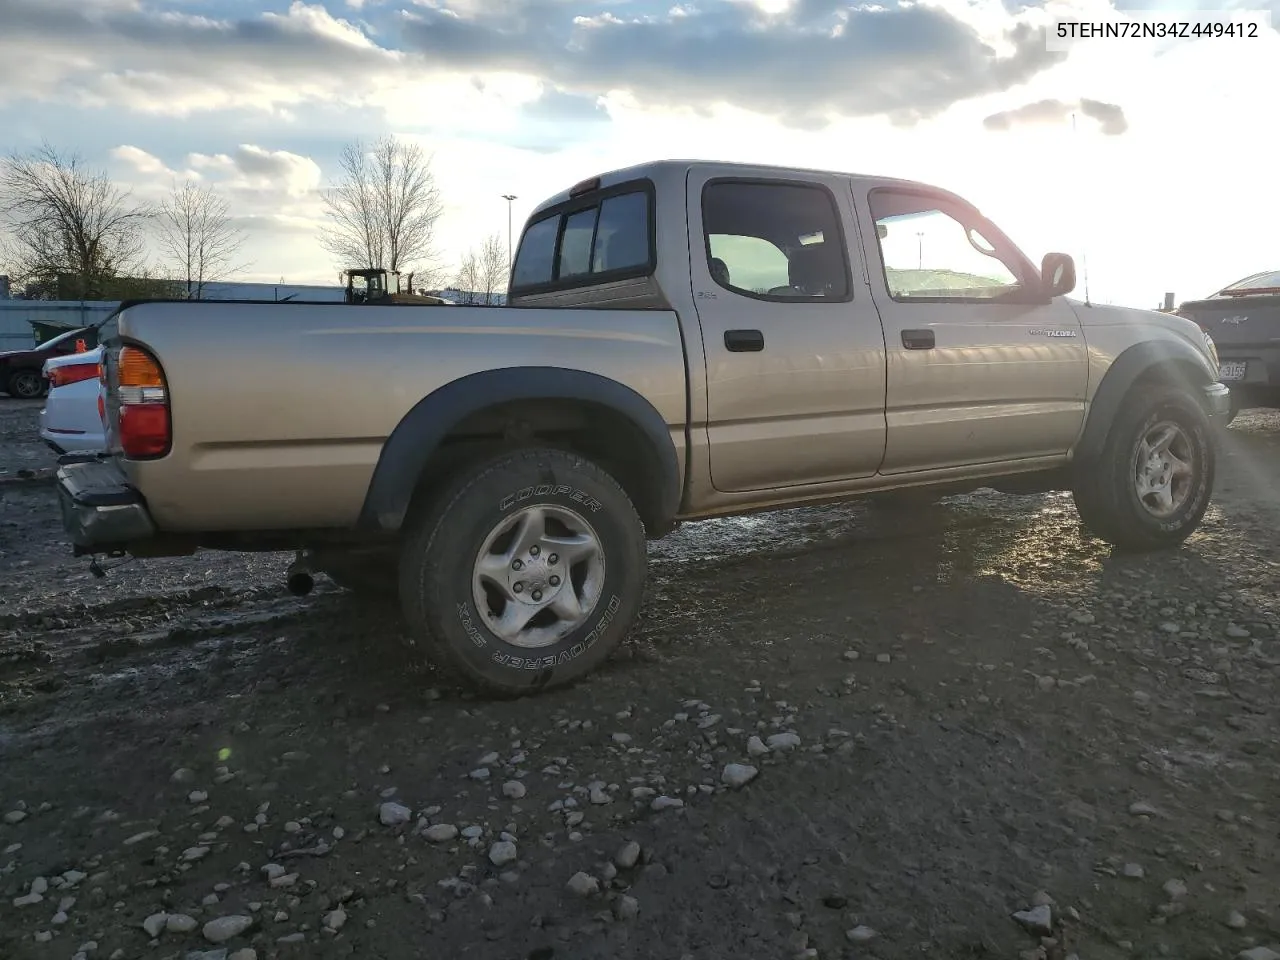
{"points": [[26, 385], [520, 507], [1109, 492]]}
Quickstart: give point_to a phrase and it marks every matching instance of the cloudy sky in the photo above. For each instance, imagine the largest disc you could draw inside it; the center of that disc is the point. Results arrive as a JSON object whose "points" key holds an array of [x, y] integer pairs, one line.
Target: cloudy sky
{"points": [[1168, 183]]}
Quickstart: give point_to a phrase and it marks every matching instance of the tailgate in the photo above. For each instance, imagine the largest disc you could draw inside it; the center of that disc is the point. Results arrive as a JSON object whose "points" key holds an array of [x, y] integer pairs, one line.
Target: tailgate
{"points": [[1238, 321]]}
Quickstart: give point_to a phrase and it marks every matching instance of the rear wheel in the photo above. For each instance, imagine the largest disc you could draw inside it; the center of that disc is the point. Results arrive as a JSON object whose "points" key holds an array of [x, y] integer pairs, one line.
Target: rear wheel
{"points": [[525, 573], [26, 385], [1151, 486]]}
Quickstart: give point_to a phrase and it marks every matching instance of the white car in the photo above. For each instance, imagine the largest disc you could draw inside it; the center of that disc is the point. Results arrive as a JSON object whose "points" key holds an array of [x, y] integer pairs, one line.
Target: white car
{"points": [[73, 414]]}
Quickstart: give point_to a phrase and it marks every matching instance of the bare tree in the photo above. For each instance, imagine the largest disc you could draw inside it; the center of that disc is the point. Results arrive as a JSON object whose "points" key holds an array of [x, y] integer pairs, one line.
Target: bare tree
{"points": [[482, 277], [383, 211], [492, 269], [467, 281], [72, 229], [198, 236]]}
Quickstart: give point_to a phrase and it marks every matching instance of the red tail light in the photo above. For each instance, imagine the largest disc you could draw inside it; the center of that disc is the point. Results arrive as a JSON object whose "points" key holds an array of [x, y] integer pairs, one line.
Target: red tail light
{"points": [[143, 419], [73, 373]]}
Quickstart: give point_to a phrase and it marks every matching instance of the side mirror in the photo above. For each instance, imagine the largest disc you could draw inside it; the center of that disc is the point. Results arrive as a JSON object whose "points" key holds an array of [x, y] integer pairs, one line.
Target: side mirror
{"points": [[1057, 274]]}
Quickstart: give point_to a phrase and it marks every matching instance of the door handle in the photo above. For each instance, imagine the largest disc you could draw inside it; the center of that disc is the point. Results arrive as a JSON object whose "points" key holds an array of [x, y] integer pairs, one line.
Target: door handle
{"points": [[743, 341], [918, 339]]}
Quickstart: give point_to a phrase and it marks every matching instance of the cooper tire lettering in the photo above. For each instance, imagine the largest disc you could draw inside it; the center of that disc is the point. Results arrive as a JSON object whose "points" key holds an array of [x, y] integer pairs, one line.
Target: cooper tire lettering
{"points": [[550, 490]]}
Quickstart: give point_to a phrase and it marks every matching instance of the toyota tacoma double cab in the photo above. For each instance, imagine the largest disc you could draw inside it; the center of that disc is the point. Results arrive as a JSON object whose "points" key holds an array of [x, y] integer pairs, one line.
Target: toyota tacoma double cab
{"points": [[684, 340]]}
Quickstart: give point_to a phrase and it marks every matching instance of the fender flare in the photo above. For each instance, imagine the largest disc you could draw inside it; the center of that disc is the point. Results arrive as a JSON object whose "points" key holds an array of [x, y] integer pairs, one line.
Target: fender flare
{"points": [[409, 448], [1123, 373]]}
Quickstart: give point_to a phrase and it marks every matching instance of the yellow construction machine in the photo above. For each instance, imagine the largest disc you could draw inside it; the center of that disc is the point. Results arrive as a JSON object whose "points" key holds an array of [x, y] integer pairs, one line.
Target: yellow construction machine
{"points": [[379, 286]]}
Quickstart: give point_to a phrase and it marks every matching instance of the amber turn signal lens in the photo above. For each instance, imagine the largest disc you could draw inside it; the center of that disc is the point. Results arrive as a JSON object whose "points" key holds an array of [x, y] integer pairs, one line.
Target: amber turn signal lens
{"points": [[137, 368]]}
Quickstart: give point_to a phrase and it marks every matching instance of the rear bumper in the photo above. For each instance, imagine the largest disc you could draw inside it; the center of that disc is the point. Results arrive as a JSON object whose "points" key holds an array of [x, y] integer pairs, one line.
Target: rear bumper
{"points": [[1262, 365], [101, 512], [61, 441]]}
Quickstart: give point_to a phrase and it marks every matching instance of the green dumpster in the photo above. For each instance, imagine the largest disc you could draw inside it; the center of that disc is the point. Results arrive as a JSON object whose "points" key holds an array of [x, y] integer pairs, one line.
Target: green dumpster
{"points": [[47, 330]]}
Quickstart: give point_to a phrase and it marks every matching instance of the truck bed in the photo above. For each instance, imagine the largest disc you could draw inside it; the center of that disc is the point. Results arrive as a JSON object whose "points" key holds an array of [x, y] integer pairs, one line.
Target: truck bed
{"points": [[280, 410]]}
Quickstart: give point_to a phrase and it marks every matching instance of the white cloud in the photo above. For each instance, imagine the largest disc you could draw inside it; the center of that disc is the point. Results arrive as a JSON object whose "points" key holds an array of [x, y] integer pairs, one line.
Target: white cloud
{"points": [[166, 61], [253, 168], [140, 160]]}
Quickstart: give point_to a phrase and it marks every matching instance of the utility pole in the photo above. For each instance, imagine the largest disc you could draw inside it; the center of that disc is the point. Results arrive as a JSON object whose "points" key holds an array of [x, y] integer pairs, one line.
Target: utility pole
{"points": [[509, 197], [1084, 215], [919, 249]]}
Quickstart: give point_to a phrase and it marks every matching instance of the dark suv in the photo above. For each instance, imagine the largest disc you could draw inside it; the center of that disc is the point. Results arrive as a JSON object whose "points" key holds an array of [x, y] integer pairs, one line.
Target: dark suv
{"points": [[21, 373], [1244, 320]]}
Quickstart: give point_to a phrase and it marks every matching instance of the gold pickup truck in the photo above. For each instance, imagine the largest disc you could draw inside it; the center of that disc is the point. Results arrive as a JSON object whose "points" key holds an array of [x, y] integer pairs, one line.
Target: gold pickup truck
{"points": [[684, 340]]}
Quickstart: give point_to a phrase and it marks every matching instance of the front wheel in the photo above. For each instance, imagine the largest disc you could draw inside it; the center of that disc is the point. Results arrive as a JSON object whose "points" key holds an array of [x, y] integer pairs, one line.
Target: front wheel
{"points": [[1151, 486], [526, 573]]}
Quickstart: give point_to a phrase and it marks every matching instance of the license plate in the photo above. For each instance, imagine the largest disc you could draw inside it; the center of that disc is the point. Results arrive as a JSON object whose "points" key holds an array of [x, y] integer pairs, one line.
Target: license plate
{"points": [[1232, 370]]}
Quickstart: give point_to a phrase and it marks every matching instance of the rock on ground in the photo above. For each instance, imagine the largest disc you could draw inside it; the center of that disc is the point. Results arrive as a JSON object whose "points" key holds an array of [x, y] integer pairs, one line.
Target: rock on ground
{"points": [[393, 814], [583, 884], [155, 924], [783, 742], [628, 856], [502, 853], [441, 832], [180, 923], [222, 929], [1037, 920], [738, 774]]}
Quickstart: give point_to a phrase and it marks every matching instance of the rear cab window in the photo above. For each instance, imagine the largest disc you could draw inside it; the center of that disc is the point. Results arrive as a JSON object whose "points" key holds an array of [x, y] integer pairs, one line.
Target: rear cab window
{"points": [[600, 237]]}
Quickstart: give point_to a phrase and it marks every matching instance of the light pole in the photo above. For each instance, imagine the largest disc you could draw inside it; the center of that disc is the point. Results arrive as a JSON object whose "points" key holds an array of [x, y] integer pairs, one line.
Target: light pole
{"points": [[508, 197], [920, 250]]}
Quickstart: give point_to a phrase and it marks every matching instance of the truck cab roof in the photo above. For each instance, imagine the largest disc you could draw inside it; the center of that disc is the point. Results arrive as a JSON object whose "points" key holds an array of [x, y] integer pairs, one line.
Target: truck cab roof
{"points": [[668, 173]]}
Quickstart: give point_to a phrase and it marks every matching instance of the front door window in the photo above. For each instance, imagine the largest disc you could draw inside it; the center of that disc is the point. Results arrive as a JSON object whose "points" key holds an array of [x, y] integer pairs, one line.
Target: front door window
{"points": [[933, 252]]}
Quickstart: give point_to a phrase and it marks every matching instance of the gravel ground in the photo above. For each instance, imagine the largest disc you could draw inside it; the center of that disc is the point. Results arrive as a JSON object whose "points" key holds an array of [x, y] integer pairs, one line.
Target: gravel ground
{"points": [[834, 734]]}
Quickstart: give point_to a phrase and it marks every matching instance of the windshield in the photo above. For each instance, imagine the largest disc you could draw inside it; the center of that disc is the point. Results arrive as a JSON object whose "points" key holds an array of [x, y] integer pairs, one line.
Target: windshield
{"points": [[1259, 281]]}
